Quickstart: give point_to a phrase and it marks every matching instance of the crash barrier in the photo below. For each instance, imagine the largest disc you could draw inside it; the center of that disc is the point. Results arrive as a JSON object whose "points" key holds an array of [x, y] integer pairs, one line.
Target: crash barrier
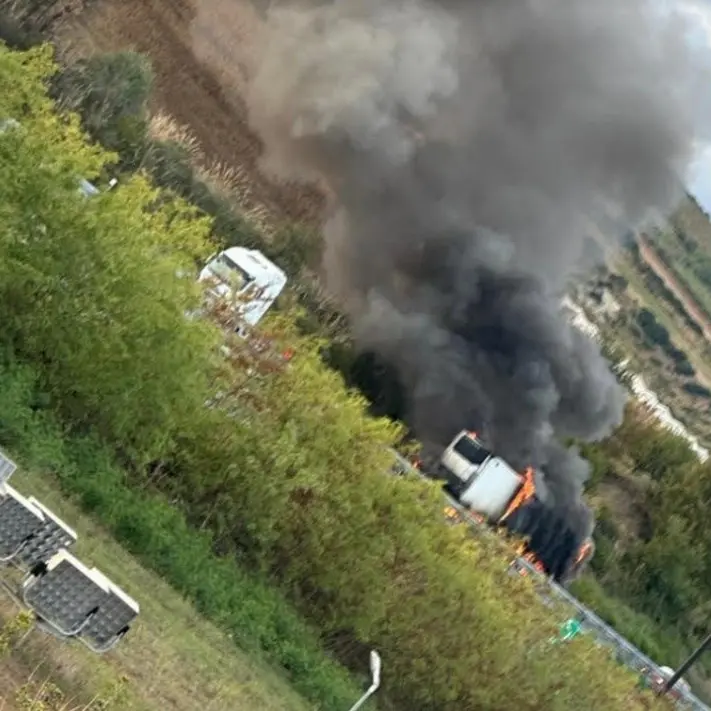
{"points": [[68, 599], [554, 595], [624, 652]]}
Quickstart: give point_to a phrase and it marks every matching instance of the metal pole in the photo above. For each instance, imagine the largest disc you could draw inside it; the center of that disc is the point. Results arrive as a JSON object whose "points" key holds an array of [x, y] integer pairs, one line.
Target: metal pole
{"points": [[375, 665], [371, 690], [686, 665]]}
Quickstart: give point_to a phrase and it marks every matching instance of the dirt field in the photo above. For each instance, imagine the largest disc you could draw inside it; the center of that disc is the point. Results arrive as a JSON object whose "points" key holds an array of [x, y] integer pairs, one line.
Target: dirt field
{"points": [[200, 51]]}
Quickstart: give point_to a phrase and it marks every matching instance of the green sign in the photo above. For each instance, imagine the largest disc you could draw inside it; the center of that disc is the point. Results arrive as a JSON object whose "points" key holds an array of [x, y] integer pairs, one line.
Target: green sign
{"points": [[570, 628]]}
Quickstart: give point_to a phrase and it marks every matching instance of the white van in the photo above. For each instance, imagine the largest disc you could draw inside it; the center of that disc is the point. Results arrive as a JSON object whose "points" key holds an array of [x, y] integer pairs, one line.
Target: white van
{"points": [[247, 277]]}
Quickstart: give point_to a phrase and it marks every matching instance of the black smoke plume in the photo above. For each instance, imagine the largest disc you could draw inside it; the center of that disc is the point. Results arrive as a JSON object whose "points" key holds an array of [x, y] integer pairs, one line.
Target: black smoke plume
{"points": [[472, 146]]}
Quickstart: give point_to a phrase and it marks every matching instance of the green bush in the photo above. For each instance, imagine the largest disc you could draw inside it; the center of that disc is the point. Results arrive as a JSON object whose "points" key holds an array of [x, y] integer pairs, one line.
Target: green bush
{"points": [[683, 367], [14, 35], [655, 332], [698, 390], [110, 92]]}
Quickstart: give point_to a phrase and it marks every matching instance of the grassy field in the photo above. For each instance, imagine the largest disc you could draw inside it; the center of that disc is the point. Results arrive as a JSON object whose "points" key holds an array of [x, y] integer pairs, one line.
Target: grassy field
{"points": [[171, 660]]}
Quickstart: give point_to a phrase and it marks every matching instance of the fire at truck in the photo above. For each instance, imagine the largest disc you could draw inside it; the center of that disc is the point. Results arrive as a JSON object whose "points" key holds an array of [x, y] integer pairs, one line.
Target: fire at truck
{"points": [[495, 493]]}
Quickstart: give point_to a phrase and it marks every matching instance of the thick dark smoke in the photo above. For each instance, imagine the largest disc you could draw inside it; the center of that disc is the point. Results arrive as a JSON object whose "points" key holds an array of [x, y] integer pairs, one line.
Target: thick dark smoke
{"points": [[472, 146]]}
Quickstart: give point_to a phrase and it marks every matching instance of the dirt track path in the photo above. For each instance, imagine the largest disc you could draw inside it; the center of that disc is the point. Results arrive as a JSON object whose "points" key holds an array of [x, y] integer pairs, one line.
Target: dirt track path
{"points": [[199, 50], [667, 276]]}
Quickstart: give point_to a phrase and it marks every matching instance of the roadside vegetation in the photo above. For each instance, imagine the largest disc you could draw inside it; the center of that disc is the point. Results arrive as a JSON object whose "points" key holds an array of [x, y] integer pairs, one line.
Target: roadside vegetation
{"points": [[270, 509], [652, 545], [256, 497]]}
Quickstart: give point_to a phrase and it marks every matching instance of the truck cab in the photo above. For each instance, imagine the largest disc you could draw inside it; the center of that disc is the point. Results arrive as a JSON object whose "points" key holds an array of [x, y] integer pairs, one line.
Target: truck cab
{"points": [[461, 461], [476, 478], [248, 279]]}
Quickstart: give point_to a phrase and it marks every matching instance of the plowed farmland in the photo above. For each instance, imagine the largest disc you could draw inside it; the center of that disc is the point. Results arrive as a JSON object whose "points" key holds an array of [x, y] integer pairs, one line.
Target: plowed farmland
{"points": [[200, 50]]}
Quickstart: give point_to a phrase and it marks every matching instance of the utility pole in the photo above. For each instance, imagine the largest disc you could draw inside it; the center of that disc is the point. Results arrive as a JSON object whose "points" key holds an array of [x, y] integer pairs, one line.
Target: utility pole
{"points": [[686, 666]]}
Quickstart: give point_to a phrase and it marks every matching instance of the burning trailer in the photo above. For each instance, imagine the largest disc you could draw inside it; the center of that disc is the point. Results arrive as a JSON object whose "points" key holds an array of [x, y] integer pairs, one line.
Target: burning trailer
{"points": [[491, 489]]}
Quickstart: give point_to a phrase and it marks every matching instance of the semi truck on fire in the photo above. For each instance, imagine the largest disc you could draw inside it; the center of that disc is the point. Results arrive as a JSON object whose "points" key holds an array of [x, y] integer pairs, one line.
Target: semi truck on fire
{"points": [[497, 495], [477, 496]]}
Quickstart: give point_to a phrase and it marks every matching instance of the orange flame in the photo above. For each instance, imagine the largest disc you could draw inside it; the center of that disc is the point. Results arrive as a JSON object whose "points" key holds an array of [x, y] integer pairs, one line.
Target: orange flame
{"points": [[451, 514], [584, 550], [525, 493], [523, 553], [520, 549]]}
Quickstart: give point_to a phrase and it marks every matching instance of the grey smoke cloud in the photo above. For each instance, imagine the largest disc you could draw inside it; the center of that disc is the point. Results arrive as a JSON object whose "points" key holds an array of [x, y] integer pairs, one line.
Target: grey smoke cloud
{"points": [[470, 145]]}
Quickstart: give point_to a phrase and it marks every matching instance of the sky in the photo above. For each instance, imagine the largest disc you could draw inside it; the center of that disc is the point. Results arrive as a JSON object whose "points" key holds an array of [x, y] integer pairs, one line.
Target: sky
{"points": [[699, 179]]}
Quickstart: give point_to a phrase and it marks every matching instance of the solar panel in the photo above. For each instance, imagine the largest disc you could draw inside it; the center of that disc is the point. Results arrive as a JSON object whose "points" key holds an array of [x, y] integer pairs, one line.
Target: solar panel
{"points": [[112, 621], [65, 594], [7, 467], [53, 535], [19, 521]]}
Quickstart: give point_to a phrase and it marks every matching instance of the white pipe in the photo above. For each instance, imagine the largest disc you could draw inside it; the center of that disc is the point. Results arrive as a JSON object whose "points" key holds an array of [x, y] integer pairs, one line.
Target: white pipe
{"points": [[371, 690], [375, 664]]}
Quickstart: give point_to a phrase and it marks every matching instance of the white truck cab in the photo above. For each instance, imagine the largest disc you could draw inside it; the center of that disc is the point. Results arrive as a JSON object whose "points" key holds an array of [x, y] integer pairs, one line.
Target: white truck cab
{"points": [[462, 459], [247, 277], [480, 481]]}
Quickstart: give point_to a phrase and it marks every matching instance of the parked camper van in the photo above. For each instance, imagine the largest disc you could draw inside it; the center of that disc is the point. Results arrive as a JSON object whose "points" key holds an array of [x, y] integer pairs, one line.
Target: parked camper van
{"points": [[248, 278]]}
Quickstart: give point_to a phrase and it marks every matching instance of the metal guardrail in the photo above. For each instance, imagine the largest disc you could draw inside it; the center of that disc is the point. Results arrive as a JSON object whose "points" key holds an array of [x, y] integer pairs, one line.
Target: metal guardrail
{"points": [[625, 652], [551, 593]]}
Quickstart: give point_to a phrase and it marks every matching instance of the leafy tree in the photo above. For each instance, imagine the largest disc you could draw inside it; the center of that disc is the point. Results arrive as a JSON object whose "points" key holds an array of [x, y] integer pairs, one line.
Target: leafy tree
{"points": [[653, 449], [296, 477], [88, 287], [110, 92], [654, 330], [669, 565]]}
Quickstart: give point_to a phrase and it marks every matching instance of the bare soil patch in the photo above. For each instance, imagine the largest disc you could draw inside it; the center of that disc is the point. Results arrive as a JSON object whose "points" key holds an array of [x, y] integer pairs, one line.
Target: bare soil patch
{"points": [[200, 52]]}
